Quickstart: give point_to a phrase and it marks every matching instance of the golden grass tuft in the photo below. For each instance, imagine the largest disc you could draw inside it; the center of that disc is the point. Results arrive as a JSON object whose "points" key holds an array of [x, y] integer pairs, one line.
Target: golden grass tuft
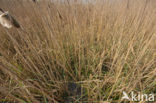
{"points": [[101, 48]]}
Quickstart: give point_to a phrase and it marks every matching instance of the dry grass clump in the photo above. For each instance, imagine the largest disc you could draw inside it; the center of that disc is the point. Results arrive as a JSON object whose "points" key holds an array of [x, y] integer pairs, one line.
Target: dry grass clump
{"points": [[78, 52]]}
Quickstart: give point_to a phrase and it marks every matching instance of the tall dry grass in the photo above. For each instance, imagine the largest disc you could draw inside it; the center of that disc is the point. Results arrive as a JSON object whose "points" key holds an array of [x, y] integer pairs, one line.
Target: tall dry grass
{"points": [[101, 48]]}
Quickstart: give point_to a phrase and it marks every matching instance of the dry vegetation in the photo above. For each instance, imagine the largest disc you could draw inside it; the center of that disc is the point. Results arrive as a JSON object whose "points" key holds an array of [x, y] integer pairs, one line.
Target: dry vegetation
{"points": [[78, 52]]}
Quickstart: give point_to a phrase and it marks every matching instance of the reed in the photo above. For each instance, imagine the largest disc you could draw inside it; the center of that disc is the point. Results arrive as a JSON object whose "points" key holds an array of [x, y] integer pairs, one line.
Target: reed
{"points": [[77, 52]]}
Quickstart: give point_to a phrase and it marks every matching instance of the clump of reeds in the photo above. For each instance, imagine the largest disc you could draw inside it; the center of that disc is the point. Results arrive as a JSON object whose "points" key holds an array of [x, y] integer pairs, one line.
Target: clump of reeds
{"points": [[101, 48]]}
